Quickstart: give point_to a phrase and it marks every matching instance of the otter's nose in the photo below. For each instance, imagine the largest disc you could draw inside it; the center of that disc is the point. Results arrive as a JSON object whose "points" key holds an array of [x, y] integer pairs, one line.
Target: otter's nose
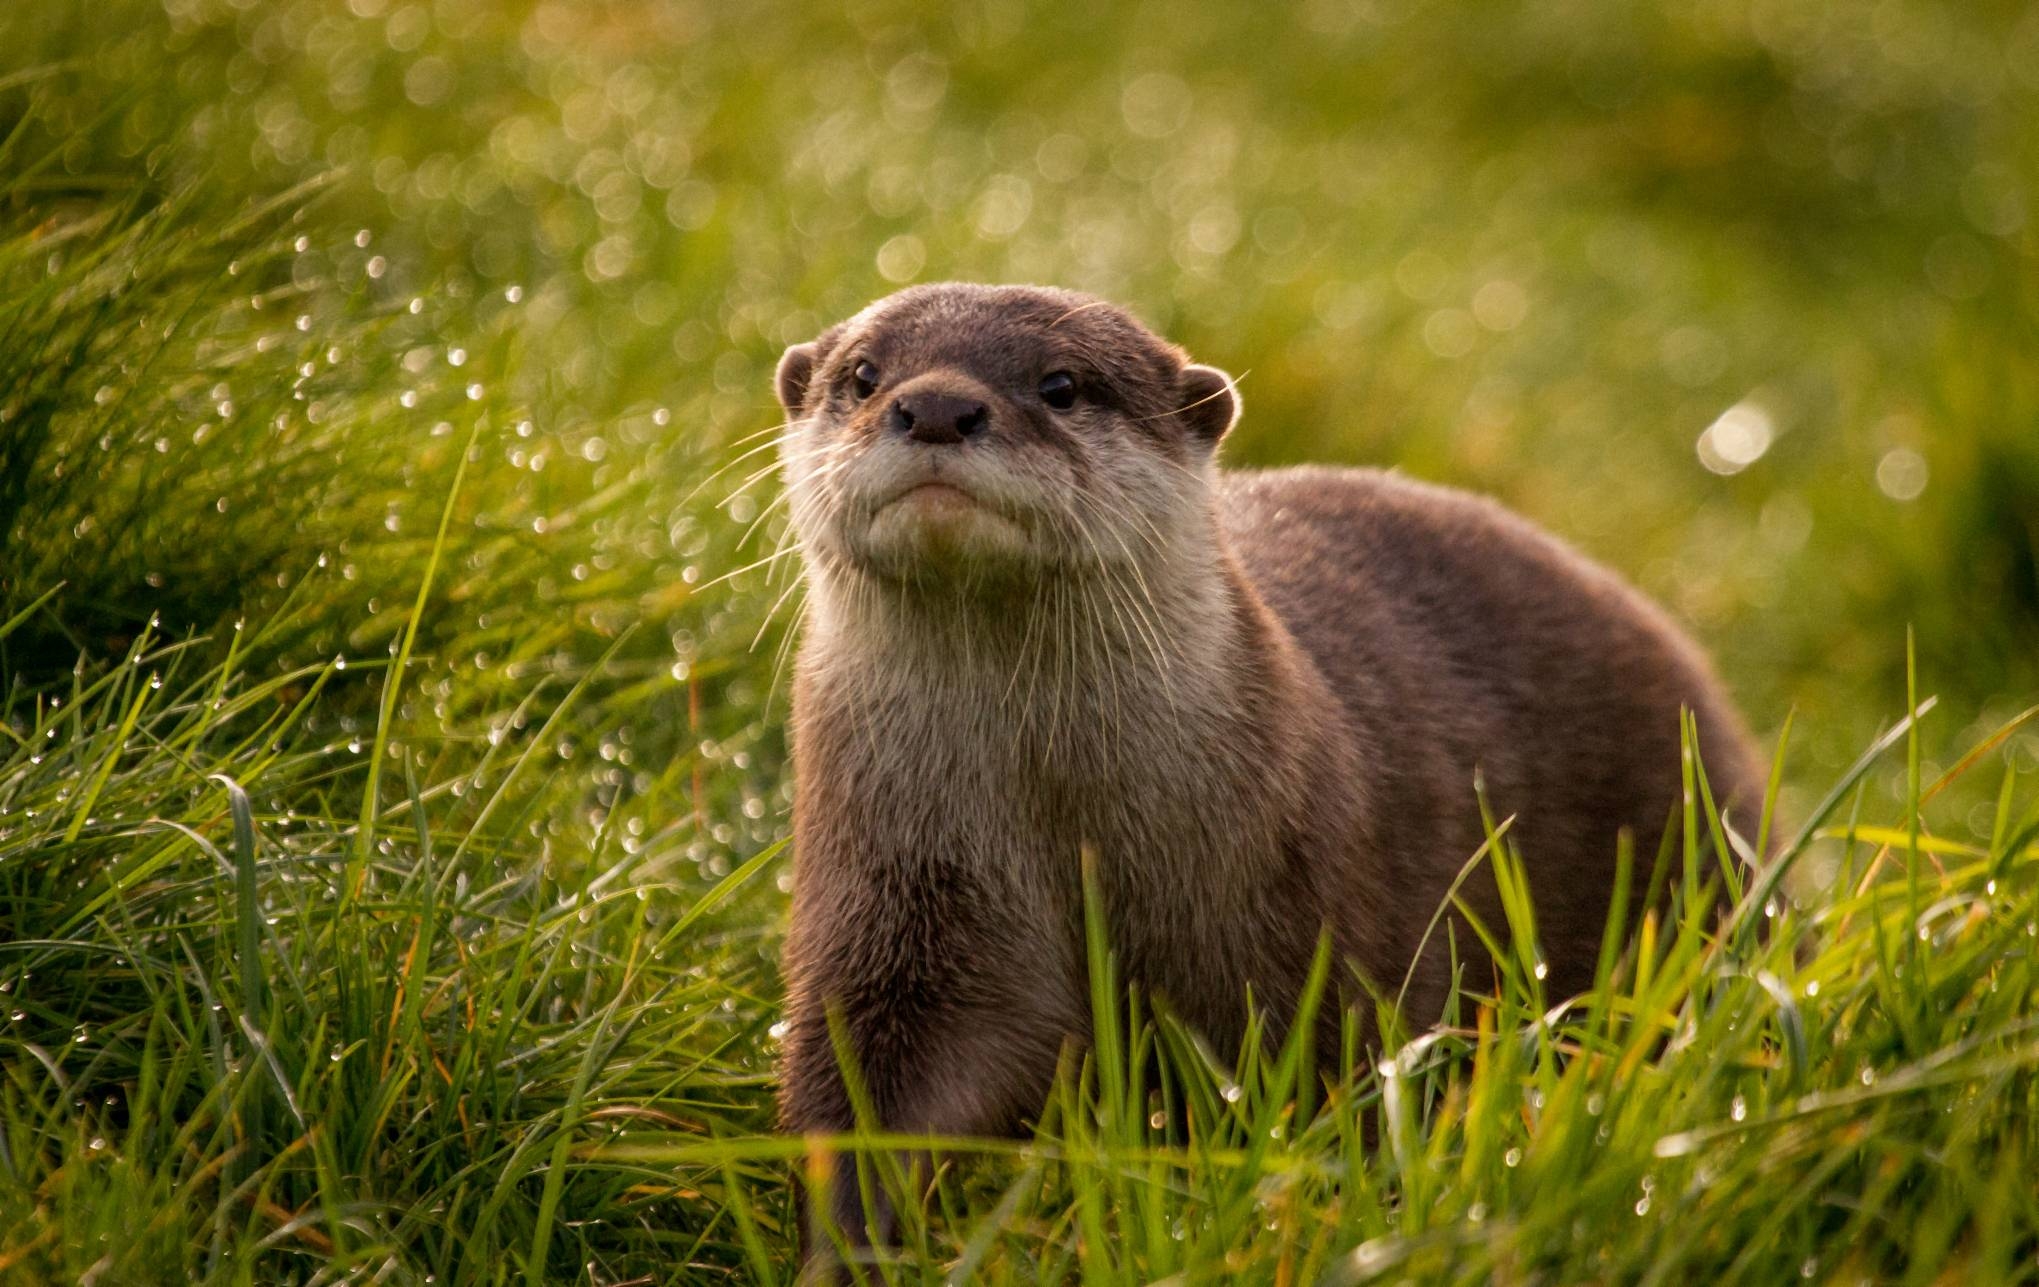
{"points": [[938, 417]]}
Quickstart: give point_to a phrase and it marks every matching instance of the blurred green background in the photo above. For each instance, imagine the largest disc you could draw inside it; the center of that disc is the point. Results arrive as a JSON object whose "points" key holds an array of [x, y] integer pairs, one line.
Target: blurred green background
{"points": [[1738, 295]]}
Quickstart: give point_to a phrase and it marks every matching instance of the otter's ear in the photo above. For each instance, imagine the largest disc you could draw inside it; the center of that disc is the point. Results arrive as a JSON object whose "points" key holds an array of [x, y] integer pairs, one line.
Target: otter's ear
{"points": [[1210, 401], [796, 367]]}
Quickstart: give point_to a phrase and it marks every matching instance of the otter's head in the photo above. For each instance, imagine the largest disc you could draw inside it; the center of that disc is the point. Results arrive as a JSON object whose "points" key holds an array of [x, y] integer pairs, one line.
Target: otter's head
{"points": [[958, 435]]}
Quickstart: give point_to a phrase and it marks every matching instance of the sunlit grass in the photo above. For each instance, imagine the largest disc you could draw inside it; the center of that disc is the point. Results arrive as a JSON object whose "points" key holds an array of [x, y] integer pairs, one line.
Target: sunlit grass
{"points": [[230, 1060]]}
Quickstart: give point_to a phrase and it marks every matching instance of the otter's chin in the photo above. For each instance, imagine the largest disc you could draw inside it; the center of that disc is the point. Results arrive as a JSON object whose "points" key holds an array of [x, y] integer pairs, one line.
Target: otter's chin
{"points": [[936, 528]]}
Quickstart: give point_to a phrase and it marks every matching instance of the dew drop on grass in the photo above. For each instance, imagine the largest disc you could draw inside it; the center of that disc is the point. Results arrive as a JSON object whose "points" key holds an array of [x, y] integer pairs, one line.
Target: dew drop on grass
{"points": [[1232, 1093], [1157, 1120], [1513, 1157], [1739, 1109], [1542, 971], [1867, 1075], [1810, 1267], [1812, 987], [17, 1015], [1642, 1207]]}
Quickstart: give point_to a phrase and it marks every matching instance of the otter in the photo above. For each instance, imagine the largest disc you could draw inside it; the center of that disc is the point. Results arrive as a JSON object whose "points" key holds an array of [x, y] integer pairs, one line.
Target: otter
{"points": [[1040, 621]]}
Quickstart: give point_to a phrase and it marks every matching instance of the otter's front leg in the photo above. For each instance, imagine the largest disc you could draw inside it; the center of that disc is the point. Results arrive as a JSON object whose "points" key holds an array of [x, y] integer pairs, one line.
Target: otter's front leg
{"points": [[935, 1056]]}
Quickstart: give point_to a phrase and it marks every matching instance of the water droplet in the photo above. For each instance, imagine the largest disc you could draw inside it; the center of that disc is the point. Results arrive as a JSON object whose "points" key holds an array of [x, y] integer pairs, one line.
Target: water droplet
{"points": [[1542, 970], [1513, 1157], [1739, 1109], [1736, 440]]}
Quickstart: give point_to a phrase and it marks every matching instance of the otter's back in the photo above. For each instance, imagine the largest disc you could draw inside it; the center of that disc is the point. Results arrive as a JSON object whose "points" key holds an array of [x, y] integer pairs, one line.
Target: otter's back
{"points": [[1464, 640]]}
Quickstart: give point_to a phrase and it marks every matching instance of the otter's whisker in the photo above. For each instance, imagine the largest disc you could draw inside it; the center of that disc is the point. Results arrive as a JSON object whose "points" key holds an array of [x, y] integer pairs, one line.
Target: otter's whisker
{"points": [[1229, 389], [736, 460]]}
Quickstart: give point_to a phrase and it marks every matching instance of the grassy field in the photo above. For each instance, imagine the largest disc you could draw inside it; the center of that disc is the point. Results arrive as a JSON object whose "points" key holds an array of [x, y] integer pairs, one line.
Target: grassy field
{"points": [[391, 779]]}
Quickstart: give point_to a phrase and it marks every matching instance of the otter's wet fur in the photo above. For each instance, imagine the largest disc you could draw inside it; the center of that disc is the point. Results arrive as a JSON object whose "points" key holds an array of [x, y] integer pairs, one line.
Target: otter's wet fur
{"points": [[1262, 699]]}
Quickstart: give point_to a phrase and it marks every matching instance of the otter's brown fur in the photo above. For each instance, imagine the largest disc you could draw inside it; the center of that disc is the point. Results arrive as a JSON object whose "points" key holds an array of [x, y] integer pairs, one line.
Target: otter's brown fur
{"points": [[1261, 698]]}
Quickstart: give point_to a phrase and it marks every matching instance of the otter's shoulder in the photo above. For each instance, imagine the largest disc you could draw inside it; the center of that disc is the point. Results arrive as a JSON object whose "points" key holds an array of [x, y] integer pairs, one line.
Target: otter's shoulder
{"points": [[1375, 532], [1355, 508]]}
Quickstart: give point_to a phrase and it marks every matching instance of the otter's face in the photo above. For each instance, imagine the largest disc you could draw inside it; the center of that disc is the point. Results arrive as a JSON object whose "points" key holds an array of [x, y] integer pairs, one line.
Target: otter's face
{"points": [[985, 433]]}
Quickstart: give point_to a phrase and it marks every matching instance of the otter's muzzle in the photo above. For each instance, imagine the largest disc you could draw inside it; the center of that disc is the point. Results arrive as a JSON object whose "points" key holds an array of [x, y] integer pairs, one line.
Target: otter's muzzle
{"points": [[939, 418]]}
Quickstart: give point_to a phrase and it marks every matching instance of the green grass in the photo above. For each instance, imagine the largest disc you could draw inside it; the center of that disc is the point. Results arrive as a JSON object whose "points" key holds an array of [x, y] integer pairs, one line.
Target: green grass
{"points": [[392, 790], [250, 1038]]}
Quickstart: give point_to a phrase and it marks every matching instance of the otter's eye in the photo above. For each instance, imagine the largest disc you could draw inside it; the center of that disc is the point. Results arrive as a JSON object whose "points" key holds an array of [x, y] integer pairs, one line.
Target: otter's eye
{"points": [[864, 380], [1058, 390]]}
